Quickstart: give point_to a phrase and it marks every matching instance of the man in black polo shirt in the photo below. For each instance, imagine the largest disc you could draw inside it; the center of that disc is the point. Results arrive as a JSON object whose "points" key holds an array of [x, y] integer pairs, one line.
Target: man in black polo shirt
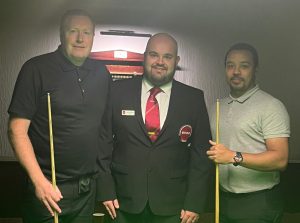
{"points": [[78, 87]]}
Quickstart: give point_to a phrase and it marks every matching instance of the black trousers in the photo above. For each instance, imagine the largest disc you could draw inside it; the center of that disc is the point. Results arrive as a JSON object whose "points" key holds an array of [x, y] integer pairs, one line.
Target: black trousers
{"points": [[146, 216], [77, 205], [264, 206]]}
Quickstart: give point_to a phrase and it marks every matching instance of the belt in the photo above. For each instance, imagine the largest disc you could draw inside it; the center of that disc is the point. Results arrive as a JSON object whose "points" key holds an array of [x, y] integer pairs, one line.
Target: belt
{"points": [[231, 194], [84, 182]]}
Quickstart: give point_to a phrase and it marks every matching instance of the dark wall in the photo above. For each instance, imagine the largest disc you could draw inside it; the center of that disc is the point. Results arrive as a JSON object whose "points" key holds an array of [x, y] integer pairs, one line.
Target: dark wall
{"points": [[12, 178], [290, 180]]}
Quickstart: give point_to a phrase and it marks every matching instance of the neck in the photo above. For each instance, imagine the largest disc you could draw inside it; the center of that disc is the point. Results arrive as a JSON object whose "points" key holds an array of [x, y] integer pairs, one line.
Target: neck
{"points": [[76, 62], [238, 93]]}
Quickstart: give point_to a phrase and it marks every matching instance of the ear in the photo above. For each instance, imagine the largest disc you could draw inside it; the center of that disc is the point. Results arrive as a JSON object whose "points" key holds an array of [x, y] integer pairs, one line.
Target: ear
{"points": [[177, 60], [143, 62]]}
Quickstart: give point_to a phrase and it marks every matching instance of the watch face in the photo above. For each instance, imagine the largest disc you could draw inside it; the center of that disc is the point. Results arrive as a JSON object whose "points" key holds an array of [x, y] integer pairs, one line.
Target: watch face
{"points": [[238, 158]]}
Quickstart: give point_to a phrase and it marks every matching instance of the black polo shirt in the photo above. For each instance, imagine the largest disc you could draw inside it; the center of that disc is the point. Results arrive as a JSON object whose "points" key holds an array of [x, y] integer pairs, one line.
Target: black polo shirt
{"points": [[78, 97]]}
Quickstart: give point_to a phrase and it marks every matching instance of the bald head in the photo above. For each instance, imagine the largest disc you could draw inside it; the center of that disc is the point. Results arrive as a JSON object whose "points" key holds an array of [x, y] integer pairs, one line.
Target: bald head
{"points": [[163, 37], [160, 59]]}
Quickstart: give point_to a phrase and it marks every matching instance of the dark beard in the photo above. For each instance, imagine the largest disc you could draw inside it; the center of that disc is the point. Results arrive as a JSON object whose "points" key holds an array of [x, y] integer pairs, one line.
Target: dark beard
{"points": [[159, 81]]}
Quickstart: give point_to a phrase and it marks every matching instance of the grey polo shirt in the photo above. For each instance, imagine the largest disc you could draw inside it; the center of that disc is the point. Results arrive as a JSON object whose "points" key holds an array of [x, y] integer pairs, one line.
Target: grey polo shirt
{"points": [[244, 125]]}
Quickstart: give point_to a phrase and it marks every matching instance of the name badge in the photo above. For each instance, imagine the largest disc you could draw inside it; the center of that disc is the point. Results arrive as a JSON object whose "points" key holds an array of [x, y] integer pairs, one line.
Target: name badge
{"points": [[128, 113]]}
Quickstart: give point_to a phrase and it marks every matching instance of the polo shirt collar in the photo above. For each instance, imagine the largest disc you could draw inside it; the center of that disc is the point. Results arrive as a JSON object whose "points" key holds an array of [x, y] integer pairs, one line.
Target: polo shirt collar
{"points": [[245, 96], [66, 65]]}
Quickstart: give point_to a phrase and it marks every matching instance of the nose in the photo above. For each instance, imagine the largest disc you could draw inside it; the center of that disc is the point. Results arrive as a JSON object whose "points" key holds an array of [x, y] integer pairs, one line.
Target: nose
{"points": [[237, 70], [160, 60], [79, 37]]}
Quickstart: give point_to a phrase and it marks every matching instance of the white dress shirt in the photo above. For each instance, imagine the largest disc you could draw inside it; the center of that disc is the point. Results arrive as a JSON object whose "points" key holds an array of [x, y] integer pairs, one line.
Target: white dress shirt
{"points": [[163, 99]]}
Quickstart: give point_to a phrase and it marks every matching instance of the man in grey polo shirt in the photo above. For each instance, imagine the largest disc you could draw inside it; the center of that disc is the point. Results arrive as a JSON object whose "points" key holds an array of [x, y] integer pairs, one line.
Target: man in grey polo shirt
{"points": [[254, 131]]}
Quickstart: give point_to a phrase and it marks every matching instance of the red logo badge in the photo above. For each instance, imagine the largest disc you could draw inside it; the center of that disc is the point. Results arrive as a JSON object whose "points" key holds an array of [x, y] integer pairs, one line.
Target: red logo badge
{"points": [[185, 132]]}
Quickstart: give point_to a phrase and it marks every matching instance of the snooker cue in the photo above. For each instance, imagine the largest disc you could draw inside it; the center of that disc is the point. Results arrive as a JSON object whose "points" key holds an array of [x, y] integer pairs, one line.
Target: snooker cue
{"points": [[217, 201], [52, 152]]}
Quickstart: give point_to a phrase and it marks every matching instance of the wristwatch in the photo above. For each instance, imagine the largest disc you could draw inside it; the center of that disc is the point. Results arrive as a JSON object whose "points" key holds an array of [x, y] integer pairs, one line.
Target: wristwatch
{"points": [[238, 158]]}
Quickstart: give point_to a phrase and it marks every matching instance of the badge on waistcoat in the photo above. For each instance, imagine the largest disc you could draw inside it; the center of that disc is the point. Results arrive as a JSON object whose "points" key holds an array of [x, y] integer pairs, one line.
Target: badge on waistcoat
{"points": [[128, 113], [185, 132]]}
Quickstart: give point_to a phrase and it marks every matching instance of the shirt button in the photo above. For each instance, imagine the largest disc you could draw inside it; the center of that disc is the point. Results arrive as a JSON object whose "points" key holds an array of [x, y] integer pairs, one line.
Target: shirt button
{"points": [[79, 80], [83, 90]]}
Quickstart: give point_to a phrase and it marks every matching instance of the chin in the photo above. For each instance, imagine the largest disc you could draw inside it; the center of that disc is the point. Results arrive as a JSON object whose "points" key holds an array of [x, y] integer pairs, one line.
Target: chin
{"points": [[237, 86], [80, 55], [161, 82]]}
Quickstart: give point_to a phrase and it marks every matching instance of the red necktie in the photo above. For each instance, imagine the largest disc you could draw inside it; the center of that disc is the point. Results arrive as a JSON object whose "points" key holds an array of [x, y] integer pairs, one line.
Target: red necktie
{"points": [[152, 115]]}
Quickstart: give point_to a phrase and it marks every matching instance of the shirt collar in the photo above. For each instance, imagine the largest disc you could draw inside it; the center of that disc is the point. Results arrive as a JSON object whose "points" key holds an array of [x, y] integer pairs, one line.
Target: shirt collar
{"points": [[245, 96], [166, 88]]}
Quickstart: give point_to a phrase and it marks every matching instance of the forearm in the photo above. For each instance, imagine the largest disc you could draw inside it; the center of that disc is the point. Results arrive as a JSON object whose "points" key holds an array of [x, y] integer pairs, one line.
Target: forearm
{"points": [[24, 151], [266, 161], [274, 158]]}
